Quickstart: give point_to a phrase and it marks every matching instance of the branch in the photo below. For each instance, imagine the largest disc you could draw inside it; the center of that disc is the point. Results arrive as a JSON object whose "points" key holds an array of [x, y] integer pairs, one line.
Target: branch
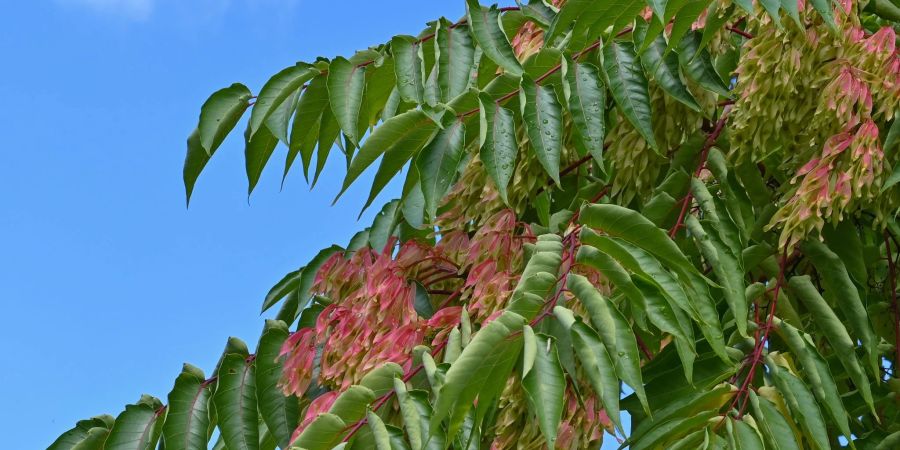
{"points": [[707, 145]]}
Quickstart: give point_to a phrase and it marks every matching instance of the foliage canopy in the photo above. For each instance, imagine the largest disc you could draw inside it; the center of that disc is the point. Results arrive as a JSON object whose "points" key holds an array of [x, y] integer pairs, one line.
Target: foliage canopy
{"points": [[695, 199]]}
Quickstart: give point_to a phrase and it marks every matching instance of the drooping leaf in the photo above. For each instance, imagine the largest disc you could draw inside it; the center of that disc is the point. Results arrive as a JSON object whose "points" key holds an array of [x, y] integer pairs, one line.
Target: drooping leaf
{"points": [[698, 65], [483, 366], [275, 91], [323, 433], [455, 58], [346, 84], [599, 368], [664, 67], [353, 403], [402, 134], [379, 431], [138, 427], [257, 151], [615, 333], [628, 87], [409, 69], [802, 404], [279, 412], [834, 330], [220, 113], [194, 162], [545, 385], [81, 432], [281, 289], [586, 100], [542, 115], [312, 113], [235, 401], [188, 420], [840, 288], [498, 143], [774, 426], [485, 24], [439, 162]]}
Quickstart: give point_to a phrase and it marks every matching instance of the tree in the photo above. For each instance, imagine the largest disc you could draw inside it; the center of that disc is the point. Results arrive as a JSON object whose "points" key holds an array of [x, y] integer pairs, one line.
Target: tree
{"points": [[588, 205]]}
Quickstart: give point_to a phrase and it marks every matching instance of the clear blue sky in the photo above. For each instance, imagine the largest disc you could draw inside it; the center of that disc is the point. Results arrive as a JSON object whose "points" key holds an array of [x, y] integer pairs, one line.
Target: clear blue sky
{"points": [[107, 282]]}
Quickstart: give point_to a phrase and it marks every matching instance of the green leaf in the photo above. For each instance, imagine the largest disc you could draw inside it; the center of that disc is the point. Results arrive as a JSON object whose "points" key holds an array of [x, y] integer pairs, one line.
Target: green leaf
{"points": [[817, 371], [498, 143], [671, 430], [615, 332], [408, 68], [628, 86], [684, 19], [412, 420], [839, 288], [257, 151], [746, 437], [379, 431], [833, 329], [399, 136], [586, 100], [486, 29], [456, 58], [686, 404], [802, 404], [773, 425], [309, 120], [323, 433], [235, 401], [381, 379], [188, 420], [279, 121], [698, 65], [664, 67], [81, 432], [284, 287], [194, 162], [138, 427], [545, 386], [220, 113], [422, 302], [480, 371], [280, 413], [439, 162], [384, 225], [346, 83], [825, 9], [542, 115], [94, 440], [728, 270], [352, 404], [538, 11], [599, 368], [275, 91], [631, 226]]}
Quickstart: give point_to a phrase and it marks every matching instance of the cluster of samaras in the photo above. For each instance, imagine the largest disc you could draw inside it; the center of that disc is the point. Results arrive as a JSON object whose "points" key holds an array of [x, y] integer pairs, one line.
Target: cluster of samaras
{"points": [[811, 101]]}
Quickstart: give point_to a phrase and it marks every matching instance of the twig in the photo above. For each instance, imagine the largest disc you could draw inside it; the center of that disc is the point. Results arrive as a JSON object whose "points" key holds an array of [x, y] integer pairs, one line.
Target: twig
{"points": [[707, 145]]}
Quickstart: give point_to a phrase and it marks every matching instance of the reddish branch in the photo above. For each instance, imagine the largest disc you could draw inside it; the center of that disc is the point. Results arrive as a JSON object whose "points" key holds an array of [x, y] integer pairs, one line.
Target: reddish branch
{"points": [[760, 337], [704, 153], [892, 276], [739, 32]]}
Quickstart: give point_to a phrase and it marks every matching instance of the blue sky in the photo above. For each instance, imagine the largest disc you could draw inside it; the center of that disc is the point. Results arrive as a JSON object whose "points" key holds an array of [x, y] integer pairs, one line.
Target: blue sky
{"points": [[107, 282]]}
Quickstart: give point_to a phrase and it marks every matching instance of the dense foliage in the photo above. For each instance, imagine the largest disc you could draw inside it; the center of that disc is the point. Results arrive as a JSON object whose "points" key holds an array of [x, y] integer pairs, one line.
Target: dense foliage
{"points": [[683, 209]]}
